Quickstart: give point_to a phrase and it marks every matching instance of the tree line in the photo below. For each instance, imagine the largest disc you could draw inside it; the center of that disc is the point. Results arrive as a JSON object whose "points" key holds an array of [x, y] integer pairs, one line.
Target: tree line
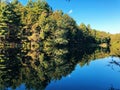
{"points": [[36, 23]]}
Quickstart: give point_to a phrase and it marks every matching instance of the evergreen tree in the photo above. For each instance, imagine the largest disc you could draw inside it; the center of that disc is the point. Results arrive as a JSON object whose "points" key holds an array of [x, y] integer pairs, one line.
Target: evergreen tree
{"points": [[10, 22]]}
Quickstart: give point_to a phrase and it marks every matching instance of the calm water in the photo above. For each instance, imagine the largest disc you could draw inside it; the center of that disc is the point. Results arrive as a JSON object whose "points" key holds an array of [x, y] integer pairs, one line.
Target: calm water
{"points": [[98, 75], [75, 70]]}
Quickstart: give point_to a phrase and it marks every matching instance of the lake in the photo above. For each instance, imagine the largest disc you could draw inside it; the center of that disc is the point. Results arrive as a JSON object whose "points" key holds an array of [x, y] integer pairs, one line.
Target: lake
{"points": [[59, 69], [98, 75]]}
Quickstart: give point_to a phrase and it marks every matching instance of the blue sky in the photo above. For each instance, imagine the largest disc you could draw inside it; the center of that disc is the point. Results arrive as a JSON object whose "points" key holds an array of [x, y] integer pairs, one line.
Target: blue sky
{"points": [[100, 14]]}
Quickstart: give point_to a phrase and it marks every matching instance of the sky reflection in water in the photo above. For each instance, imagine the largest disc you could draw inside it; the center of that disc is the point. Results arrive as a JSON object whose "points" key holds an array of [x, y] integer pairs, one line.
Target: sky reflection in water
{"points": [[98, 75]]}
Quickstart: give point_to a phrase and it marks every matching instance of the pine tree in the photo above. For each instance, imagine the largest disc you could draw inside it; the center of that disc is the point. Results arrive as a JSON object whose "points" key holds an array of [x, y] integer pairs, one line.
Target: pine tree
{"points": [[10, 22]]}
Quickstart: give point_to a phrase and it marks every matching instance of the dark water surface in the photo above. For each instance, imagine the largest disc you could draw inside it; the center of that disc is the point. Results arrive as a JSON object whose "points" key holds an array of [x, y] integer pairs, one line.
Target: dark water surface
{"points": [[59, 69]]}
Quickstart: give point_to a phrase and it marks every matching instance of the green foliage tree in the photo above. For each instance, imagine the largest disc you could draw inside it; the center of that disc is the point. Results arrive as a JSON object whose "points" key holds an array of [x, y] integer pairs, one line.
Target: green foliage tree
{"points": [[10, 22]]}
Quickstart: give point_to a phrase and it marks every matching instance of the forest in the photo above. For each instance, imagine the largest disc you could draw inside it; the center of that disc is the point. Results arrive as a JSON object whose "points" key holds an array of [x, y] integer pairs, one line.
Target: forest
{"points": [[37, 28], [37, 25], [38, 45]]}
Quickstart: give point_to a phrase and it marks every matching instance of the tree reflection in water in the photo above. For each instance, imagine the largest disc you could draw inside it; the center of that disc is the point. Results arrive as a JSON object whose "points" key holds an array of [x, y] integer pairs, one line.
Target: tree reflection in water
{"points": [[36, 68], [114, 63], [113, 88]]}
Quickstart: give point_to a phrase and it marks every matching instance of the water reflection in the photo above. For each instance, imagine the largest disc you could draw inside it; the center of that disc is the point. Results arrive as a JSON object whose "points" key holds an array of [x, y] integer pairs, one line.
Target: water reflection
{"points": [[114, 64], [112, 88], [36, 68]]}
